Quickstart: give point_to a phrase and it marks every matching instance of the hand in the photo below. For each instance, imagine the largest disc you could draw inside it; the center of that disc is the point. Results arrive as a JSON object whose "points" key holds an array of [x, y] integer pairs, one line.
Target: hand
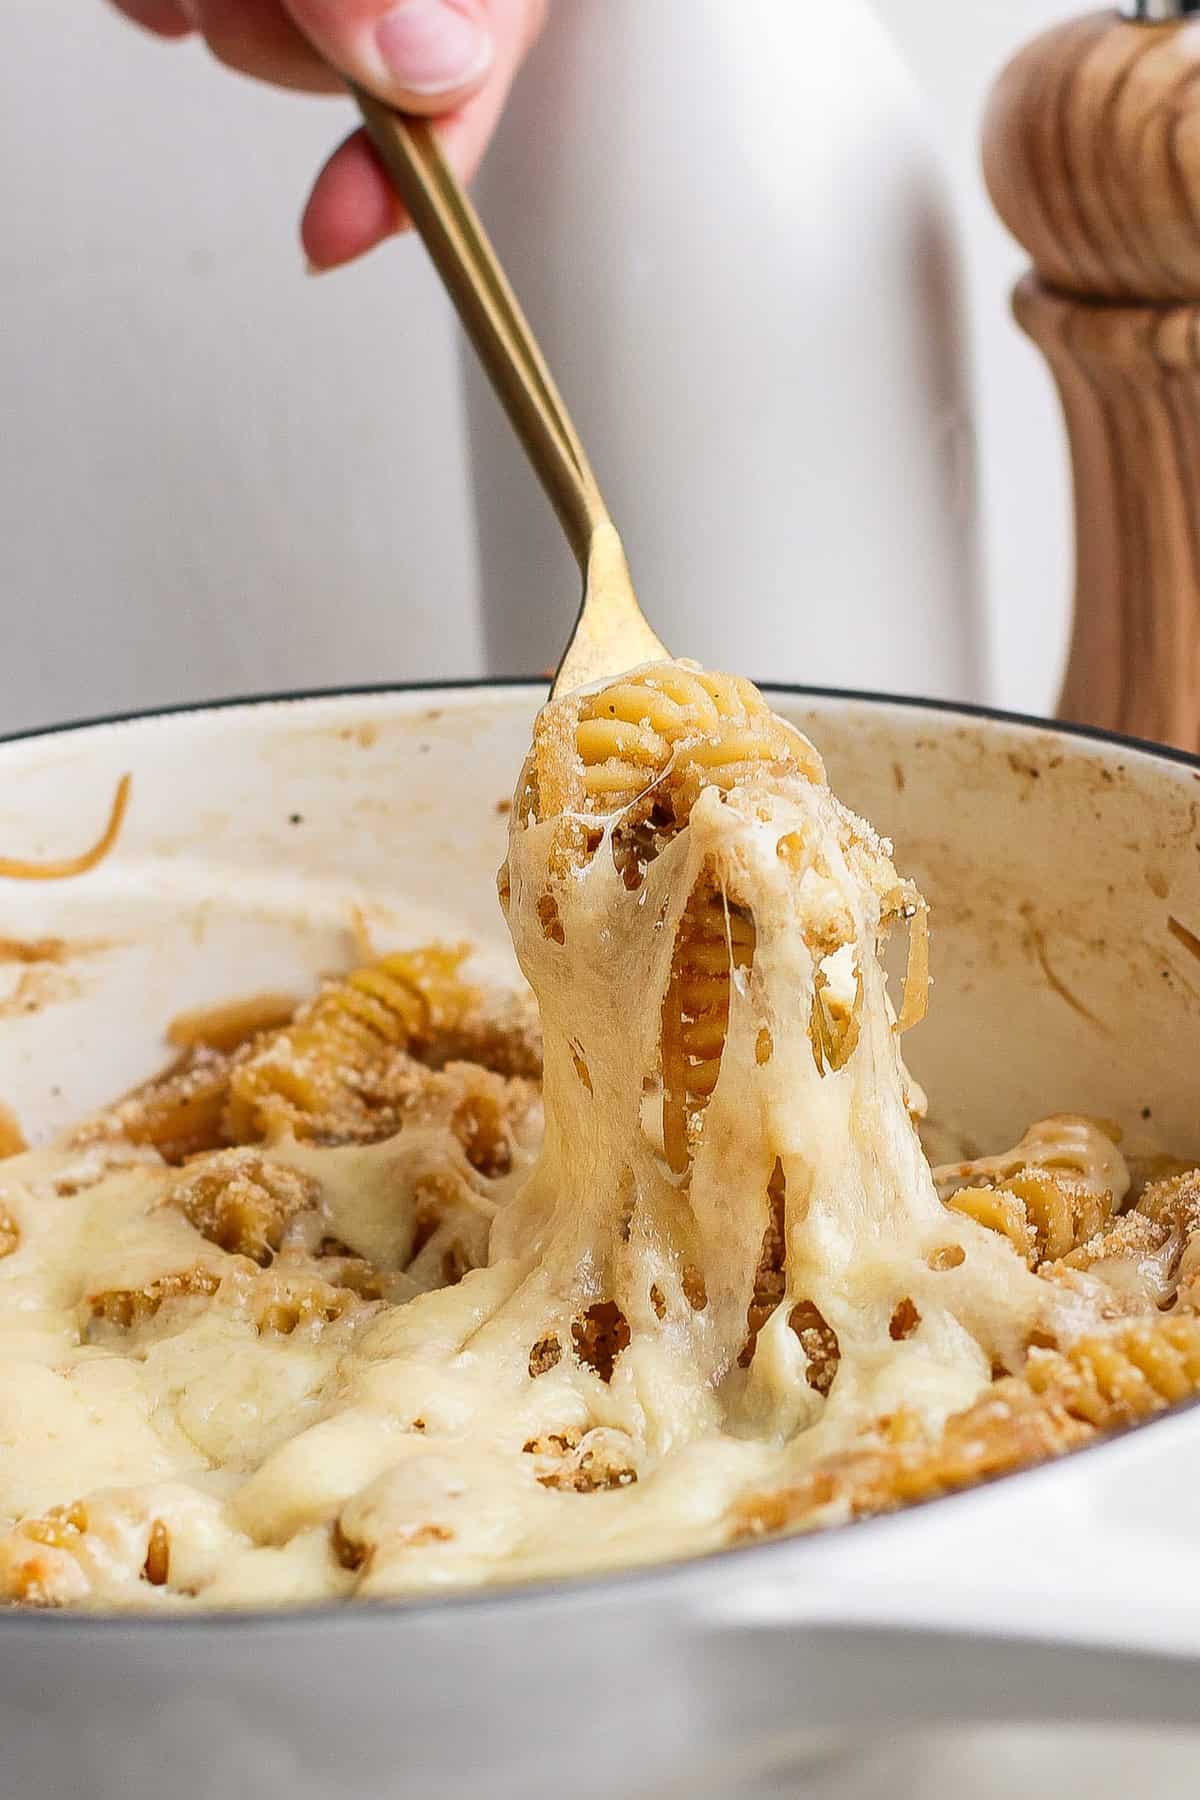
{"points": [[451, 59]]}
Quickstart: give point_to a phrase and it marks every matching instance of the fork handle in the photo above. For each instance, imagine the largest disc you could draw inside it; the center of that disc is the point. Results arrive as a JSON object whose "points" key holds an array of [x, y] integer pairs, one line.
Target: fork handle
{"points": [[491, 315]]}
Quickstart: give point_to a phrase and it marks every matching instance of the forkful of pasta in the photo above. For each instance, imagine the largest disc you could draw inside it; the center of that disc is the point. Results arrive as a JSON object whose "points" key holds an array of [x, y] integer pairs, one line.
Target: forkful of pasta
{"points": [[611, 633]]}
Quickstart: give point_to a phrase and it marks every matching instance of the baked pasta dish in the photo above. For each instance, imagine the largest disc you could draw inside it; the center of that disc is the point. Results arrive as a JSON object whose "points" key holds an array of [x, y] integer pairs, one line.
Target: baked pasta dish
{"points": [[421, 1286]]}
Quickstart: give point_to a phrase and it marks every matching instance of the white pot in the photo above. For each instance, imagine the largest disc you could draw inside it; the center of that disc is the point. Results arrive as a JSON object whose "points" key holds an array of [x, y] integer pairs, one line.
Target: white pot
{"points": [[258, 837]]}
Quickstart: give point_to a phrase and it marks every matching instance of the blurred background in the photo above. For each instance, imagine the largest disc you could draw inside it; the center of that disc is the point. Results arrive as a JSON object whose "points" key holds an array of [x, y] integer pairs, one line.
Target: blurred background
{"points": [[219, 475]]}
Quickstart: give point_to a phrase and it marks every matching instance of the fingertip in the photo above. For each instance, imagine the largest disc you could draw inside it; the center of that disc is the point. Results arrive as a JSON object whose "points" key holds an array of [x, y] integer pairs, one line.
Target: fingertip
{"points": [[434, 54], [352, 207], [164, 18], [422, 56]]}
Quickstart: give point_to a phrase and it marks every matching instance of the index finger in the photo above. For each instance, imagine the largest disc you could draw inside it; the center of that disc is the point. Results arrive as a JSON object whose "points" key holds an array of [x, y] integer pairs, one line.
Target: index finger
{"points": [[165, 18]]}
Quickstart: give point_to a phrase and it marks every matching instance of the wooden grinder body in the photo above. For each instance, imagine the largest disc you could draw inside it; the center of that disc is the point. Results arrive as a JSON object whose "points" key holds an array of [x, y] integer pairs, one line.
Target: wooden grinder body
{"points": [[1092, 158]]}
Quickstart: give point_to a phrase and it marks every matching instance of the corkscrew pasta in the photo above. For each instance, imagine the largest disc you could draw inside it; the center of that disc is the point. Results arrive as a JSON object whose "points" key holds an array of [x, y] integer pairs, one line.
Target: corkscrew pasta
{"points": [[406, 1288]]}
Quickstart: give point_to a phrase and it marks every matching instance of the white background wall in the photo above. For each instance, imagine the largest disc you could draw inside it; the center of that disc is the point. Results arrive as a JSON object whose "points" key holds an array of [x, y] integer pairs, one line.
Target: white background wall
{"points": [[956, 51], [217, 475]]}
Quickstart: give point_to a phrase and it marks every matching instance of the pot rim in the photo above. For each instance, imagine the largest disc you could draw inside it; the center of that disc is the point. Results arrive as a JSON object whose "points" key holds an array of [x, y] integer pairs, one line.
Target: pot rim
{"points": [[613, 1582], [965, 709]]}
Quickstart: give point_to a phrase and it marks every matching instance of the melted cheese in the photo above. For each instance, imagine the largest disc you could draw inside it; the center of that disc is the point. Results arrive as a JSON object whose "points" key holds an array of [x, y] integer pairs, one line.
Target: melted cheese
{"points": [[595, 1393]]}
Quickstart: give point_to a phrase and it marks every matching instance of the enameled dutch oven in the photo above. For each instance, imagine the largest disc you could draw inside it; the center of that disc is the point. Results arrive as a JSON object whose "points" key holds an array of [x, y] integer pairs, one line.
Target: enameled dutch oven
{"points": [[1062, 869]]}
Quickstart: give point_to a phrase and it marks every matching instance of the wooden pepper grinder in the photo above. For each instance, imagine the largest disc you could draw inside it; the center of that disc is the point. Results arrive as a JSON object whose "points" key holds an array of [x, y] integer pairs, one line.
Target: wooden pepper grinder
{"points": [[1092, 158]]}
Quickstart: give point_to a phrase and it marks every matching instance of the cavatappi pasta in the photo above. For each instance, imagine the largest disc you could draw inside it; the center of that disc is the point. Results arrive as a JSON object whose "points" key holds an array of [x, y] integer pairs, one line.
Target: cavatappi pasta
{"points": [[415, 1287]]}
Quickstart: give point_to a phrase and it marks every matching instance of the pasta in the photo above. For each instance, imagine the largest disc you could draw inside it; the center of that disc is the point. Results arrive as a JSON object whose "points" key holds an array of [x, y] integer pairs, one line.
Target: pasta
{"points": [[1083, 1152], [1043, 1214], [16, 868], [642, 749], [714, 939], [405, 1289], [1115, 1379], [1065, 1400], [348, 1066], [241, 1202]]}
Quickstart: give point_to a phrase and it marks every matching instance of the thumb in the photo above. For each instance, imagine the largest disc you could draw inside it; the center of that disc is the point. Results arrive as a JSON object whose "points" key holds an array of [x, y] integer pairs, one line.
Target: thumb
{"points": [[425, 56]]}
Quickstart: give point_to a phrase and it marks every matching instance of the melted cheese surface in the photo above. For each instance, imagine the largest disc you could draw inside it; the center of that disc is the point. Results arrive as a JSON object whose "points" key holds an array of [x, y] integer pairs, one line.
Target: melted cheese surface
{"points": [[669, 1302]]}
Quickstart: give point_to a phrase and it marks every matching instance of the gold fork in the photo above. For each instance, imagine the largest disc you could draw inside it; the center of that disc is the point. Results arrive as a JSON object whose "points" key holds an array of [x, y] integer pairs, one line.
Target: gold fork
{"points": [[611, 633]]}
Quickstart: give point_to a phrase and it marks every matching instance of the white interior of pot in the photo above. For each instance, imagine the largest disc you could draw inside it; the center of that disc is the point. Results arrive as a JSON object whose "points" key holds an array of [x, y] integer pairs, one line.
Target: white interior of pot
{"points": [[263, 842]]}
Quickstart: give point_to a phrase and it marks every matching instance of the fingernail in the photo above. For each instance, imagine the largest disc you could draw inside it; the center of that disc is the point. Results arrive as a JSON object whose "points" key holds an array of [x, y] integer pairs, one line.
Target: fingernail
{"points": [[312, 268], [432, 48]]}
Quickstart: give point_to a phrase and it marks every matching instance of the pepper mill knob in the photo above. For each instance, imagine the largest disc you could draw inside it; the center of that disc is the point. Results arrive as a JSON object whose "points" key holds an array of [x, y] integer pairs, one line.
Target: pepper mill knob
{"points": [[1091, 154]]}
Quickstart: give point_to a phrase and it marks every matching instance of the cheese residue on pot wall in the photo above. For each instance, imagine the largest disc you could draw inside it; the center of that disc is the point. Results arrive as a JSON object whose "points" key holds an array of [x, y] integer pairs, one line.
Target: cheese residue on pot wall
{"points": [[407, 1295]]}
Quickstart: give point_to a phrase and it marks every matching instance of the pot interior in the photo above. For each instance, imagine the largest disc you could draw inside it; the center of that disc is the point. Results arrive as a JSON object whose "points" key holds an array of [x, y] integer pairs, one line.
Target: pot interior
{"points": [[269, 843]]}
